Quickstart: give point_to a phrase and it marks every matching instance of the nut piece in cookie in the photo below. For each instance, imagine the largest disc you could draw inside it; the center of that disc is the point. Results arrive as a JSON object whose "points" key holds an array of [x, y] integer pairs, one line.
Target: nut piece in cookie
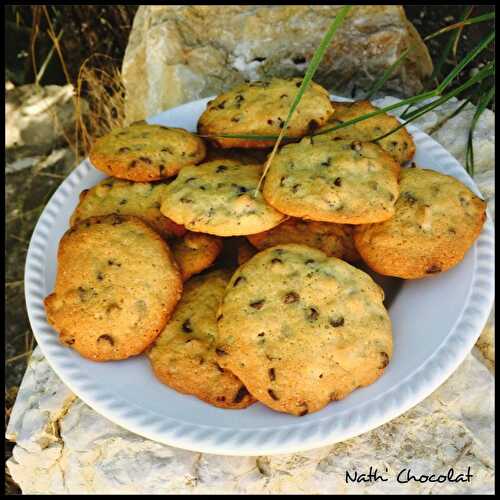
{"points": [[116, 196], [183, 356], [301, 329], [116, 286], [143, 153], [399, 144], [336, 240], [437, 220], [195, 252], [345, 182], [261, 108], [219, 198]]}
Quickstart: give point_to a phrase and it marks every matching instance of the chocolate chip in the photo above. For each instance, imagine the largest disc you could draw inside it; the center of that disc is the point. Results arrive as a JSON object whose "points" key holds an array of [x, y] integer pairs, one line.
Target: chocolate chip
{"points": [[82, 293], [186, 200], [220, 352], [161, 168], [385, 360], [258, 304], [123, 202], [221, 105], [281, 123], [452, 230], [338, 182], [166, 150], [291, 297], [434, 268], [409, 198], [276, 261], [242, 392], [299, 60], [356, 146], [304, 412], [281, 181], [337, 321], [270, 122], [100, 276], [190, 180], [272, 374], [309, 261], [313, 314], [326, 163], [220, 168], [272, 394], [132, 164], [261, 334], [295, 188], [145, 159], [221, 398], [114, 263], [220, 317], [312, 125], [235, 119], [219, 368], [239, 98], [107, 338], [124, 150], [68, 341], [283, 96], [334, 396], [298, 84], [239, 279], [186, 326]]}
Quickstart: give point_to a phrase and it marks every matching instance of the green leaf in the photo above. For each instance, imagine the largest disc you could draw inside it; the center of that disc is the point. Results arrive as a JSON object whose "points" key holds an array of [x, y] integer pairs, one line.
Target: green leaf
{"points": [[311, 70], [482, 105]]}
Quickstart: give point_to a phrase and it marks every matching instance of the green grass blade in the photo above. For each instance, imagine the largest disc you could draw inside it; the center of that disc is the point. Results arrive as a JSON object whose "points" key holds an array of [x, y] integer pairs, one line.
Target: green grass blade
{"points": [[482, 105], [434, 104], [465, 61], [311, 70]]}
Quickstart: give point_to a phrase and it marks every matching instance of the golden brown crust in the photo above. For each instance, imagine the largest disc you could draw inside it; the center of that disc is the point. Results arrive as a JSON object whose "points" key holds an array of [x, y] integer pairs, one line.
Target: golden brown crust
{"points": [[195, 252], [140, 199], [261, 108], [437, 220], [301, 329], [143, 153], [183, 356], [116, 286], [336, 240], [345, 182], [399, 144]]}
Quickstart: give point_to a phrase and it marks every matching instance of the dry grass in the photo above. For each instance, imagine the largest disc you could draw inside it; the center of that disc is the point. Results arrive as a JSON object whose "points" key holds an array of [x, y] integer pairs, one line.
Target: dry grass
{"points": [[99, 102]]}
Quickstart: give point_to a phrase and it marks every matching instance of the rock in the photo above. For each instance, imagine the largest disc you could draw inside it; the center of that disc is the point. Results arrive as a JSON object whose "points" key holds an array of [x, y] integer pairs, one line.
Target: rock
{"points": [[63, 446], [37, 121], [177, 54]]}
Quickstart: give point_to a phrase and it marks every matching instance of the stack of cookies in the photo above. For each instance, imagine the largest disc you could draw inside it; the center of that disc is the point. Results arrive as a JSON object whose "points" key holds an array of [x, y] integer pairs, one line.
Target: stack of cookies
{"points": [[284, 316]]}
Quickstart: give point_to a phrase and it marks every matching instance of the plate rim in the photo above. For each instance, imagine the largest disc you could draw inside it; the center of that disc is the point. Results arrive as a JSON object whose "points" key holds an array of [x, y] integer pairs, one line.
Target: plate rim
{"points": [[300, 436]]}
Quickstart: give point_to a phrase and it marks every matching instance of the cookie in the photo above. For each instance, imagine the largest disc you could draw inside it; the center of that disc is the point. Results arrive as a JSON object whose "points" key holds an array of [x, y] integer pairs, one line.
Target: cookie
{"points": [[219, 198], [336, 240], [301, 329], [143, 153], [437, 220], [399, 144], [261, 108], [245, 251], [194, 252], [347, 182], [116, 196], [116, 286], [183, 356]]}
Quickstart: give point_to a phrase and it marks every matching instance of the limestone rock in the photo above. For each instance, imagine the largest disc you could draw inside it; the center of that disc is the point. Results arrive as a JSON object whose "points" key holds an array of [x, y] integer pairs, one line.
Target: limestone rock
{"points": [[177, 54], [63, 446]]}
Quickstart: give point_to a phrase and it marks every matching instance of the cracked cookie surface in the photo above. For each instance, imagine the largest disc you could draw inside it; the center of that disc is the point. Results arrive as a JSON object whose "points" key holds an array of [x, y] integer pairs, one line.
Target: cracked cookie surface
{"points": [[183, 356], [346, 182], [399, 144], [219, 198], [437, 220], [142, 152], [116, 286], [261, 108], [117, 196], [301, 329]]}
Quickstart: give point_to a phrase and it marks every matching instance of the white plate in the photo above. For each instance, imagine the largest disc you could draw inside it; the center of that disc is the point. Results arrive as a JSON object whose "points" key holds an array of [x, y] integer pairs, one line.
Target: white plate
{"points": [[436, 322]]}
